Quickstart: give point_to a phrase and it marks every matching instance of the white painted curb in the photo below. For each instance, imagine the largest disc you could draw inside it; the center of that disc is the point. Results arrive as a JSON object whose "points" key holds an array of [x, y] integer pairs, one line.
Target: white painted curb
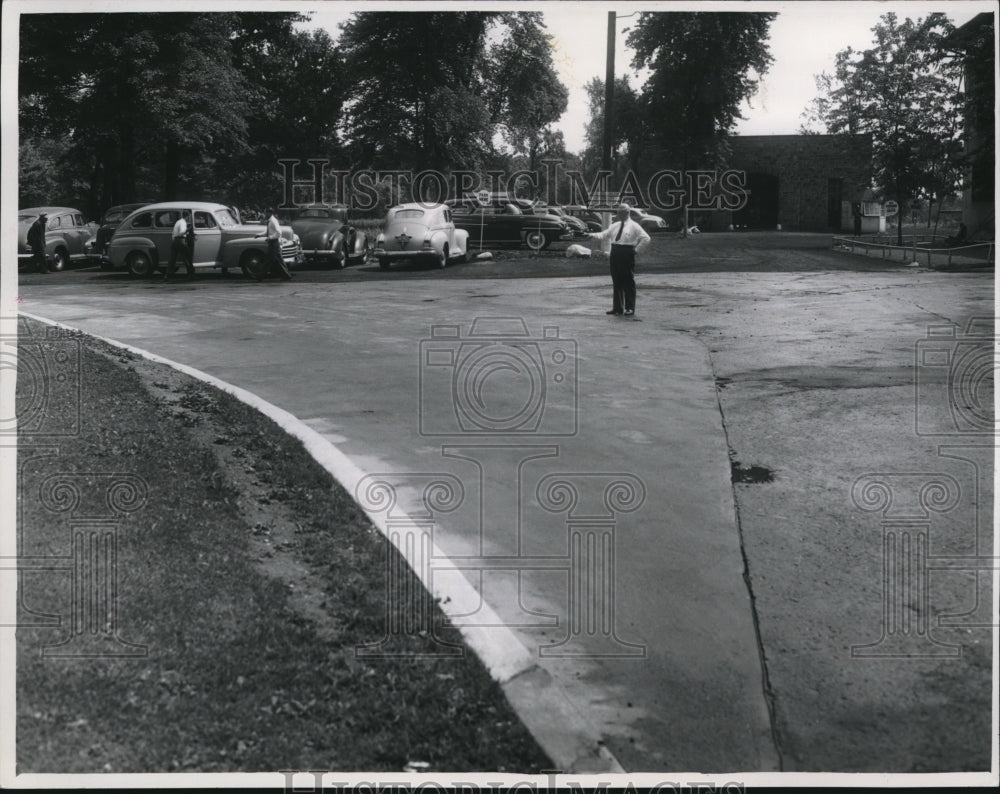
{"points": [[500, 650]]}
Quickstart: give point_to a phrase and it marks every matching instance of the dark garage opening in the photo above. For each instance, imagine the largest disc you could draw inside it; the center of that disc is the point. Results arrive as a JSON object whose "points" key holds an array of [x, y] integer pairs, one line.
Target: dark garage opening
{"points": [[761, 210]]}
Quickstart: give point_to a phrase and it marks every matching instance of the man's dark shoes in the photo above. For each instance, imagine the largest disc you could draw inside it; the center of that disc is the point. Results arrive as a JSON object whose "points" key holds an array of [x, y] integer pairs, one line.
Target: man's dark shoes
{"points": [[613, 311]]}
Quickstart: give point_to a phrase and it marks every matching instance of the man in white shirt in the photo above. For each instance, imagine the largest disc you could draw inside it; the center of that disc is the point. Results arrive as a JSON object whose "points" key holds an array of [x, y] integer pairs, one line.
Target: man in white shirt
{"points": [[275, 263], [179, 247], [627, 237]]}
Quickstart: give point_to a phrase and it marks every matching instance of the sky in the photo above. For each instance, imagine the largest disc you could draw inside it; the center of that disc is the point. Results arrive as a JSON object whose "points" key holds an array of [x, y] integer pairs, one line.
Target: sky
{"points": [[804, 39]]}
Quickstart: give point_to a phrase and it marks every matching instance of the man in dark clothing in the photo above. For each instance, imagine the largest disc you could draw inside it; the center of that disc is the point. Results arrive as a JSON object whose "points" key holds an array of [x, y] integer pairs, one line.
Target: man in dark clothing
{"points": [[36, 239]]}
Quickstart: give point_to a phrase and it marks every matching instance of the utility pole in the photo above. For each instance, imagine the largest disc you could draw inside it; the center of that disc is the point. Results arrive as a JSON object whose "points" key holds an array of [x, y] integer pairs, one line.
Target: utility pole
{"points": [[609, 96]]}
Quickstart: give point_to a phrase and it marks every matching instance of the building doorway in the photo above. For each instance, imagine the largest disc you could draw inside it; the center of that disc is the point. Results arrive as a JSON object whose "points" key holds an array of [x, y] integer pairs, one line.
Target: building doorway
{"points": [[761, 209]]}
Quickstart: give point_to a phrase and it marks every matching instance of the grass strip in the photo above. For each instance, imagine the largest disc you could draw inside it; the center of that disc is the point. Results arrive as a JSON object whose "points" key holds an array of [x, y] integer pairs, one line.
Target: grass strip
{"points": [[237, 675]]}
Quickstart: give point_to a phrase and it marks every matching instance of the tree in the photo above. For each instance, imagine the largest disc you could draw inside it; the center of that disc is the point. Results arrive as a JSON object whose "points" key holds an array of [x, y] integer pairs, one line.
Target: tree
{"points": [[415, 98], [703, 65], [524, 93], [905, 95], [154, 105], [414, 104], [630, 124]]}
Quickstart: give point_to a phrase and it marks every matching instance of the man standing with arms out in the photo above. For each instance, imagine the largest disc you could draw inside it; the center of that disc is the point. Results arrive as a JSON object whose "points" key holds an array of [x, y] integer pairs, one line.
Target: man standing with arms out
{"points": [[627, 237], [179, 247], [275, 264], [36, 239]]}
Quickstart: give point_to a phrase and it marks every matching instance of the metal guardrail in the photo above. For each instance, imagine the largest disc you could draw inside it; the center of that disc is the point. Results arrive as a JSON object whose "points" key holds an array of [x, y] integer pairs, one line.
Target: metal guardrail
{"points": [[984, 255]]}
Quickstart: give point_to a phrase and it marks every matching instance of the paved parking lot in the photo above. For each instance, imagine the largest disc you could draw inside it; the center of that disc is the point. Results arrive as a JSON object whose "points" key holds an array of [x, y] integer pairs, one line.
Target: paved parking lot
{"points": [[790, 450]]}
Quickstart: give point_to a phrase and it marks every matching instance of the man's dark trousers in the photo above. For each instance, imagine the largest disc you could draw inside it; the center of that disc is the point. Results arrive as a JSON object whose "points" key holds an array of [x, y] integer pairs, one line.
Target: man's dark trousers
{"points": [[623, 277], [179, 250], [38, 259], [276, 264]]}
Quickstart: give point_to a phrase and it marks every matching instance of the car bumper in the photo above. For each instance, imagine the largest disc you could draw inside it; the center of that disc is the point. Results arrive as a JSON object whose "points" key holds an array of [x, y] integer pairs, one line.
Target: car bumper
{"points": [[416, 253]]}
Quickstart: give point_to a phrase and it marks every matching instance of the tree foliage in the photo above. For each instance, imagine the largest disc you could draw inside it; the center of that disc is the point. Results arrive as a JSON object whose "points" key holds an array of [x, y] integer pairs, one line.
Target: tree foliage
{"points": [[904, 94], [703, 65], [433, 90], [160, 104], [629, 128]]}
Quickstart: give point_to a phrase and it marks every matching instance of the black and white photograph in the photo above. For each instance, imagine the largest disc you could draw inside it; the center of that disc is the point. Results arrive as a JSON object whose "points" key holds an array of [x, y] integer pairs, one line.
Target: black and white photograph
{"points": [[555, 394]]}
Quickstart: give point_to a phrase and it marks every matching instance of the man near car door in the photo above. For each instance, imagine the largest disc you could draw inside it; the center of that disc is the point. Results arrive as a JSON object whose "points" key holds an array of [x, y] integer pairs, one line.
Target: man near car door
{"points": [[626, 237], [179, 248], [275, 264], [36, 239]]}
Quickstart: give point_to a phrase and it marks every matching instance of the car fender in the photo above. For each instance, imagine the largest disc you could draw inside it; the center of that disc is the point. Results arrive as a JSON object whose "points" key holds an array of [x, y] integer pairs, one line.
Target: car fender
{"points": [[120, 247], [462, 240], [360, 243], [234, 250]]}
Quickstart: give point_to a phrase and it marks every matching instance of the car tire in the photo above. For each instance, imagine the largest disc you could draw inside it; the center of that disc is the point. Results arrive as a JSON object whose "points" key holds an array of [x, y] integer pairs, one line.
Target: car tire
{"points": [[443, 260], [383, 262], [535, 239], [60, 260], [253, 264], [106, 265], [139, 264]]}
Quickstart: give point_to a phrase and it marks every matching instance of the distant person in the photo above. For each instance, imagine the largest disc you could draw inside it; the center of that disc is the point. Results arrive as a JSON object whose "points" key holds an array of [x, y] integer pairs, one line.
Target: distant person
{"points": [[960, 237], [627, 237], [856, 211], [179, 248], [275, 264], [36, 240]]}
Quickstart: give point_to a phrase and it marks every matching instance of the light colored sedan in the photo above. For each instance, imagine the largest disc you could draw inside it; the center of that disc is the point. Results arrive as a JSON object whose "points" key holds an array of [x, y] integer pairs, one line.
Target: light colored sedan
{"points": [[66, 235], [421, 231], [142, 242]]}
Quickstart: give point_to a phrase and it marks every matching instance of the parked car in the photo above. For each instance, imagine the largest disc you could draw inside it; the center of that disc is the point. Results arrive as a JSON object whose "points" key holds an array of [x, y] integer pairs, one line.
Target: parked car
{"points": [[578, 228], [66, 235], [651, 223], [328, 237], [590, 218], [508, 223], [141, 243], [97, 246], [421, 231]]}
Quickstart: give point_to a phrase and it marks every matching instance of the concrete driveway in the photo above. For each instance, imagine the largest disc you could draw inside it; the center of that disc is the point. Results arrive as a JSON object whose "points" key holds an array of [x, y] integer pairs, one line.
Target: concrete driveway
{"points": [[698, 623]]}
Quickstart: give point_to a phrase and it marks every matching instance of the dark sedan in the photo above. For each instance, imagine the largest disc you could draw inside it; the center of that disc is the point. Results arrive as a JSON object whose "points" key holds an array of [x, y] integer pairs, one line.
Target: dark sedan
{"points": [[97, 246], [508, 225]]}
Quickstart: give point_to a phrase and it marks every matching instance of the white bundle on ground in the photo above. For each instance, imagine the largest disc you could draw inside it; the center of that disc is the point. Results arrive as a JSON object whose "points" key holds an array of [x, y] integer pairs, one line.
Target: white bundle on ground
{"points": [[577, 250], [484, 256]]}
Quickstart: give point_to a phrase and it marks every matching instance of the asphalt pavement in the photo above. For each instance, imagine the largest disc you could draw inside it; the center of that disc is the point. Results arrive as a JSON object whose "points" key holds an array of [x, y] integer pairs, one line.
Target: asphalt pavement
{"points": [[695, 622]]}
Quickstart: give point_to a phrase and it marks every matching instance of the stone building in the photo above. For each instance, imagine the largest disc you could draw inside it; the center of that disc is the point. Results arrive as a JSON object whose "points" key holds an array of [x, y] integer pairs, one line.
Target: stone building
{"points": [[801, 182], [973, 44]]}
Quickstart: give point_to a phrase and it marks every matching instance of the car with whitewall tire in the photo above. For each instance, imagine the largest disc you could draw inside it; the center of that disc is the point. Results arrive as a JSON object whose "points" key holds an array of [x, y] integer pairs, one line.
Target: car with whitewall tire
{"points": [[421, 232], [141, 243]]}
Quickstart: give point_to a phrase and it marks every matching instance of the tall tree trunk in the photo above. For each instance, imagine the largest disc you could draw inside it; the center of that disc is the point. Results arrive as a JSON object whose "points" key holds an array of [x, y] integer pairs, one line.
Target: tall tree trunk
{"points": [[171, 166]]}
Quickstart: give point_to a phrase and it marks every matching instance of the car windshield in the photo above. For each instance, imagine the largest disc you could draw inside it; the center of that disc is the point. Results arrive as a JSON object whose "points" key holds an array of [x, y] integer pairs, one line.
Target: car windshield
{"points": [[402, 215], [116, 217], [315, 214], [225, 218]]}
